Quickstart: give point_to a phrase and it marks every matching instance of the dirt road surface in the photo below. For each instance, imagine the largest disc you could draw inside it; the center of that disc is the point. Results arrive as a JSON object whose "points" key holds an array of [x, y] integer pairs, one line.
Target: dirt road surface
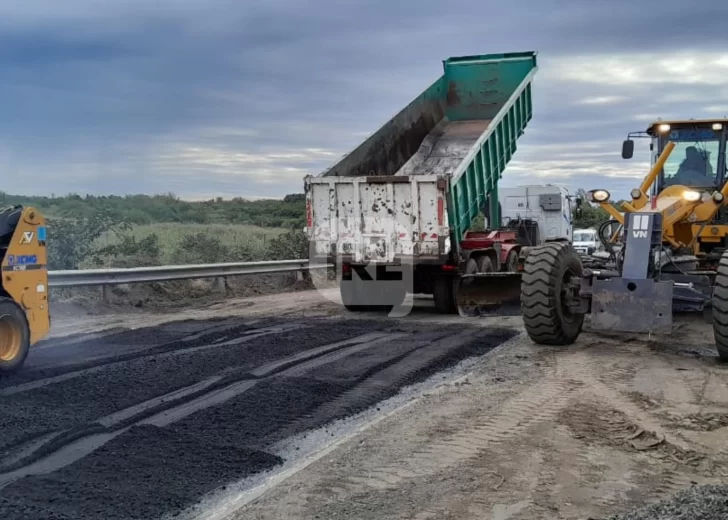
{"points": [[287, 406]]}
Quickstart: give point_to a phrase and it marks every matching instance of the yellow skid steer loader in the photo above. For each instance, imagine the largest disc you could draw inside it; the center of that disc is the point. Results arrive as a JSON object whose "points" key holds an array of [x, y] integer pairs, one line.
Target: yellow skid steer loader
{"points": [[24, 313]]}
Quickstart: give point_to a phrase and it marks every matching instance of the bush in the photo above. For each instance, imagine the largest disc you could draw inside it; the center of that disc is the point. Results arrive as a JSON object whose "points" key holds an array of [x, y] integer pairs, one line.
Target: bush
{"points": [[129, 252], [71, 239], [292, 245]]}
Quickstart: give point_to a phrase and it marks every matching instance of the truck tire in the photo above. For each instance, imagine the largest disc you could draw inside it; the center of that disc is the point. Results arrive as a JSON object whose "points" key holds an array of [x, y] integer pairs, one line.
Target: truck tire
{"points": [[511, 265], [720, 308], [484, 264], [14, 337], [547, 319], [443, 293]]}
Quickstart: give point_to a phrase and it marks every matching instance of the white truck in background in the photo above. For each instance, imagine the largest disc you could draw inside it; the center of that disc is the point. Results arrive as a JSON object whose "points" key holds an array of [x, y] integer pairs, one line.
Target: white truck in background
{"points": [[586, 242], [549, 205]]}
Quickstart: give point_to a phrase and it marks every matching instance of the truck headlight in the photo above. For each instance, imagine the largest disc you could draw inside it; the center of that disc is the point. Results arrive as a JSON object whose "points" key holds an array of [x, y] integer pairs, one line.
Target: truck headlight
{"points": [[691, 196], [663, 128], [599, 195], [635, 193]]}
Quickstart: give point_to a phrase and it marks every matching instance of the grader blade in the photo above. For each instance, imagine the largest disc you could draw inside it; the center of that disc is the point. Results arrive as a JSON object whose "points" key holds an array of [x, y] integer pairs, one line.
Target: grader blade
{"points": [[483, 293]]}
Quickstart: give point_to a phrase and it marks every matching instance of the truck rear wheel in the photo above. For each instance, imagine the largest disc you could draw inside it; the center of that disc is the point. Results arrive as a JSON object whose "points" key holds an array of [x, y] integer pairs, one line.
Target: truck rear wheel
{"points": [[720, 308], [443, 293], [511, 264], [544, 303], [14, 336]]}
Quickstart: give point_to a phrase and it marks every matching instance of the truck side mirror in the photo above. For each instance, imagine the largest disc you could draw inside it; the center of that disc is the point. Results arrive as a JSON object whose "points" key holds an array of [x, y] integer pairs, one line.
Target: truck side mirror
{"points": [[627, 149]]}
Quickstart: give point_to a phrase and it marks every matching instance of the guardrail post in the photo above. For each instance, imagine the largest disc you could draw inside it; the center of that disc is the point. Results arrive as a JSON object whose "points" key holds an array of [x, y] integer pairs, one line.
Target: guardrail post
{"points": [[299, 276], [106, 293], [220, 285]]}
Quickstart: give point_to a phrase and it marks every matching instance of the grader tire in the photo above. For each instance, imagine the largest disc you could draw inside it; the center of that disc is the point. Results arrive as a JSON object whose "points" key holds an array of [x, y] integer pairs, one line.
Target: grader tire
{"points": [[547, 319], [720, 308], [14, 337]]}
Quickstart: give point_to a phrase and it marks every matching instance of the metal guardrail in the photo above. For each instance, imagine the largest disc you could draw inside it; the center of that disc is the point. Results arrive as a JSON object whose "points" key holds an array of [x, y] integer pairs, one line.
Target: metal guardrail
{"points": [[88, 277]]}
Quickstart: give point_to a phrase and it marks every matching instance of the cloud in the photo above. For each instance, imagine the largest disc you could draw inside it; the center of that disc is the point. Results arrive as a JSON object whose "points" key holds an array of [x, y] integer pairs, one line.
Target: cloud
{"points": [[218, 96]]}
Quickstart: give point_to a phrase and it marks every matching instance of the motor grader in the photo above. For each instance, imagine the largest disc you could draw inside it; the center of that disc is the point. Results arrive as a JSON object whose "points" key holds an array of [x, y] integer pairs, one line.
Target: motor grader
{"points": [[666, 247], [24, 313]]}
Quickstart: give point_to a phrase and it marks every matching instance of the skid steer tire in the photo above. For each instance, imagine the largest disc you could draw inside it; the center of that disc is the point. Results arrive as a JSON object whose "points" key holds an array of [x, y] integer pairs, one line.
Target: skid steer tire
{"points": [[547, 319], [720, 308], [14, 337]]}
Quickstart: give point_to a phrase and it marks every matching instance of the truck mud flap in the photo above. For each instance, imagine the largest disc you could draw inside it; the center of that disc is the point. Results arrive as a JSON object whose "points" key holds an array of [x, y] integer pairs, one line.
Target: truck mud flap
{"points": [[624, 305], [482, 293]]}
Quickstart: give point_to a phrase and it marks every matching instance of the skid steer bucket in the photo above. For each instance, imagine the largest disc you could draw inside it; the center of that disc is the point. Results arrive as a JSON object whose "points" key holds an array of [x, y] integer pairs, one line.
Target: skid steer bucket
{"points": [[484, 293]]}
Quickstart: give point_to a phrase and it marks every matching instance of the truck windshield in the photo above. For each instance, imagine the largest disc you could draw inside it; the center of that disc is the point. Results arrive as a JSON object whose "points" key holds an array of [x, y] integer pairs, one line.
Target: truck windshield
{"points": [[582, 236], [692, 163]]}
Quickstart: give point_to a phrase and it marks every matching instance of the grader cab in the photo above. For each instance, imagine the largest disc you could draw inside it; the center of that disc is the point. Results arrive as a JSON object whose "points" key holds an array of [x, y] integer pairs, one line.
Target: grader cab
{"points": [[667, 248], [24, 313]]}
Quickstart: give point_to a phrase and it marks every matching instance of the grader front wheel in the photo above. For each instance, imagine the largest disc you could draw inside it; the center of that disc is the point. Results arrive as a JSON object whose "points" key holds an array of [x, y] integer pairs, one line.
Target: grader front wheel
{"points": [[14, 336], [545, 288], [720, 308]]}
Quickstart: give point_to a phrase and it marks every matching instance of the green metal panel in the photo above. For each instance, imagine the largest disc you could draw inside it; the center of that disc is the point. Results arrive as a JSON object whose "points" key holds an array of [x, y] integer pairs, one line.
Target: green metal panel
{"points": [[495, 87]]}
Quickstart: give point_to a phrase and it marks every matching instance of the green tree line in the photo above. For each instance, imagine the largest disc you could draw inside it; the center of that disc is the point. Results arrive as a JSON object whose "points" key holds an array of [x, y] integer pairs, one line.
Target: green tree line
{"points": [[148, 209]]}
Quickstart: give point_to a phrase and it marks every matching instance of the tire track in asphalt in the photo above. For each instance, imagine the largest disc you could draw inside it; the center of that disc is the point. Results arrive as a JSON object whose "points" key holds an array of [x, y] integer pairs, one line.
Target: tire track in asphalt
{"points": [[164, 410], [174, 348], [70, 404]]}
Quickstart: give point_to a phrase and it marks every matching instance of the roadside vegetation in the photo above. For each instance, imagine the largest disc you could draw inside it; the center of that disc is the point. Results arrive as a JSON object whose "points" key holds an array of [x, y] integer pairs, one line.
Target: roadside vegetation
{"points": [[143, 230]]}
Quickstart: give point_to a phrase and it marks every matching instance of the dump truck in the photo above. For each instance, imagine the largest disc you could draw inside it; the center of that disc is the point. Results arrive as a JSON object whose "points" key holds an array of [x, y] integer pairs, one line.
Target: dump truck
{"points": [[397, 210], [24, 312], [666, 250]]}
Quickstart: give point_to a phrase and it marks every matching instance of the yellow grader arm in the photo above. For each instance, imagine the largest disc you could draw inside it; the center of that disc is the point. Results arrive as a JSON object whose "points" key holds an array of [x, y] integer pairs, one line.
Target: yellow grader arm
{"points": [[24, 313]]}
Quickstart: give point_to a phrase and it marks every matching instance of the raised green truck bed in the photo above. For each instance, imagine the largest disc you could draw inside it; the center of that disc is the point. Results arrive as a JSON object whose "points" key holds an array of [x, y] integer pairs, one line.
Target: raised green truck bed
{"points": [[414, 187]]}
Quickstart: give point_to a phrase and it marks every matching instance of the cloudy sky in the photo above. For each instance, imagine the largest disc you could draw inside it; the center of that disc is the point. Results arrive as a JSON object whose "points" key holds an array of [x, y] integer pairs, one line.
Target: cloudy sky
{"points": [[243, 98]]}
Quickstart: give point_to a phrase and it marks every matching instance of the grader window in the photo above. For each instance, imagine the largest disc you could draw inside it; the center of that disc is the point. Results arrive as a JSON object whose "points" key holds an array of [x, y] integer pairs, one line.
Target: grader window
{"points": [[692, 163]]}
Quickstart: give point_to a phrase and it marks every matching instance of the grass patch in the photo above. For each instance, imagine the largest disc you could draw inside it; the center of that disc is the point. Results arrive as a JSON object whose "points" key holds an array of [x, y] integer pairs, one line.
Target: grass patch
{"points": [[171, 233]]}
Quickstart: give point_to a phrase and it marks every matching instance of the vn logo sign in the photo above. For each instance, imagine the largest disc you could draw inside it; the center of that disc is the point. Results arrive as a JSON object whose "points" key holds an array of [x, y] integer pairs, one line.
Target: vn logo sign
{"points": [[640, 225]]}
